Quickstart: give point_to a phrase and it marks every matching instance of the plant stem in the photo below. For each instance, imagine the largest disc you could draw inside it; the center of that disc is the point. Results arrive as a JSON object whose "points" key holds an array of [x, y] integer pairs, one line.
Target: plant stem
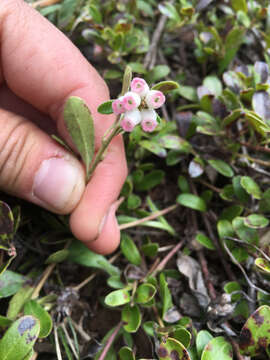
{"points": [[163, 263], [92, 276], [104, 145], [150, 217], [110, 341], [45, 275], [44, 3]]}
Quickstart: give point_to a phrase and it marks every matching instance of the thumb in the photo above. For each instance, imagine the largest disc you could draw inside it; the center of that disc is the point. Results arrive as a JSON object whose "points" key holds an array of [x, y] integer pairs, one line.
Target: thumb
{"points": [[35, 168]]}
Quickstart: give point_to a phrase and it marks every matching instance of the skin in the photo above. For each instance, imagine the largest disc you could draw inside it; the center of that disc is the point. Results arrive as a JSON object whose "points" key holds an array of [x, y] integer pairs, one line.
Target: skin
{"points": [[39, 69]]}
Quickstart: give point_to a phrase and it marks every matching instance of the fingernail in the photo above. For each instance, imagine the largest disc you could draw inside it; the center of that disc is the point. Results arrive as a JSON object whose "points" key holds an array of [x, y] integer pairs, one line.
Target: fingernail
{"points": [[57, 183], [110, 214]]}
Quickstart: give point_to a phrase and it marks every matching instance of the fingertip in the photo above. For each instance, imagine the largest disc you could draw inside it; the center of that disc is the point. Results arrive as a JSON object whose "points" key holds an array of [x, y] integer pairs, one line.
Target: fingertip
{"points": [[108, 237]]}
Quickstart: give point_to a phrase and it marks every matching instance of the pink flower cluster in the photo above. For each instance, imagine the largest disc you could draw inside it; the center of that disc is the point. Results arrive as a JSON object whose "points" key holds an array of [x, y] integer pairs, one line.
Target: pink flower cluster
{"points": [[138, 106]]}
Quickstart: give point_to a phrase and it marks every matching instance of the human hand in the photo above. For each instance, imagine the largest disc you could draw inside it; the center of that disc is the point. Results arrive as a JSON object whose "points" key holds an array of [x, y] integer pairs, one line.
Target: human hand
{"points": [[39, 69]]}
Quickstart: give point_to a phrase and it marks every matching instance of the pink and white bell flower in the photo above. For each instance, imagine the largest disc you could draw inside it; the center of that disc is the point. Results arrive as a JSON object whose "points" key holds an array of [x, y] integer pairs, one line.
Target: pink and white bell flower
{"points": [[130, 120], [131, 100], [118, 106], [149, 120], [154, 99], [139, 86]]}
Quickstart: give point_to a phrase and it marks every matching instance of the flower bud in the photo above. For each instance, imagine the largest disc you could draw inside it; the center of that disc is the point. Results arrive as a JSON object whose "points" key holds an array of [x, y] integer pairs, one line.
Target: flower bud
{"points": [[130, 120], [139, 86], [149, 120], [154, 99], [118, 106], [131, 100]]}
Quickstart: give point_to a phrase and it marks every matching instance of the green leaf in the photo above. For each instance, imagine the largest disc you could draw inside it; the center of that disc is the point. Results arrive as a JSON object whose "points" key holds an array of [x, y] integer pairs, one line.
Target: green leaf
{"points": [[150, 249], [115, 282], [106, 107], [19, 339], [263, 265], [126, 353], [57, 257], [166, 86], [80, 125], [187, 92], [239, 190], [175, 142], [213, 84], [157, 73], [10, 283], [126, 80], [172, 349], [225, 229], [221, 167], [33, 308], [192, 201], [137, 67], [4, 322], [30, 355], [170, 11], [150, 180], [245, 233], [251, 187], [145, 293], [118, 297], [133, 201], [202, 340], [130, 250], [218, 348], [154, 147], [238, 5], [233, 41], [80, 254], [231, 212], [66, 12], [18, 300], [165, 294], [233, 286], [255, 335], [182, 335], [256, 221], [131, 318], [183, 184], [205, 241]]}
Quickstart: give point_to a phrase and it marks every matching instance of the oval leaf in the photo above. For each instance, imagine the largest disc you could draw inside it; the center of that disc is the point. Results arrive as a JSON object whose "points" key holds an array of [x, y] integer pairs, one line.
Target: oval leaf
{"points": [[19, 339], [256, 221], [35, 309], [251, 187], [172, 349], [221, 167], [131, 318], [192, 201], [57, 257], [80, 125], [106, 108], [117, 298], [202, 340], [255, 335], [263, 265], [218, 348], [130, 250], [166, 86], [145, 293], [126, 353]]}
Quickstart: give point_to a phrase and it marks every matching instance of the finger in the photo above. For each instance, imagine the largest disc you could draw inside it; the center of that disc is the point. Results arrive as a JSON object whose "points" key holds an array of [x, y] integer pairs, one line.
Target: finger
{"points": [[49, 71], [42, 66], [12, 103], [34, 167], [94, 217]]}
